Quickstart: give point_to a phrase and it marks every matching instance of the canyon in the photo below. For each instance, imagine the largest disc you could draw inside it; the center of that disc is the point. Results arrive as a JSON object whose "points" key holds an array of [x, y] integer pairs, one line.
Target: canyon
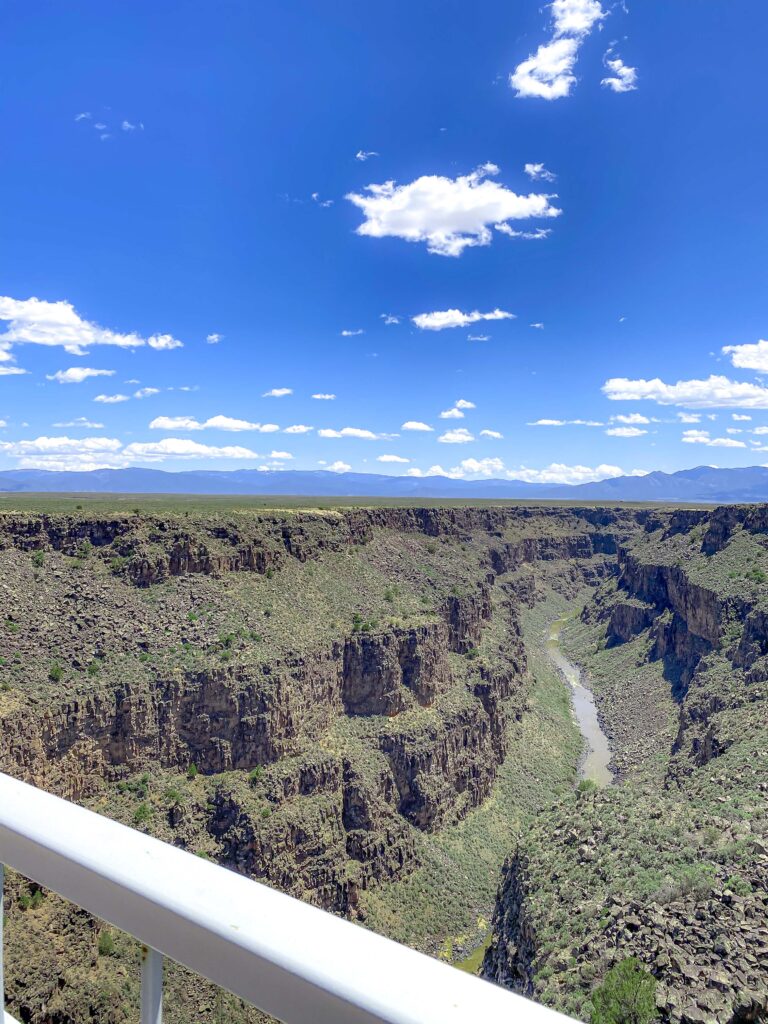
{"points": [[357, 706]]}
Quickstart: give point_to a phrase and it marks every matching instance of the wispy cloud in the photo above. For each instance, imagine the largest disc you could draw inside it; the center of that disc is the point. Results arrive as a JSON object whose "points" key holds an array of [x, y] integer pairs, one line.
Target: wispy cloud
{"points": [[622, 78], [365, 154], [214, 339], [352, 334], [448, 214], [538, 172], [278, 393], [548, 73], [322, 396], [390, 319], [703, 437], [111, 399]]}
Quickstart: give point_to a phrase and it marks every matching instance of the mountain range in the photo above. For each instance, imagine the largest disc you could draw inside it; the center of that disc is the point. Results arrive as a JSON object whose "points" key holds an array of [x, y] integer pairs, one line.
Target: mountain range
{"points": [[701, 484]]}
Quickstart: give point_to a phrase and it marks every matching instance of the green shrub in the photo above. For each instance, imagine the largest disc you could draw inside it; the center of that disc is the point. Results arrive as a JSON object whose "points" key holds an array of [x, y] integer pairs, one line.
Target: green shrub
{"points": [[255, 775], [626, 996], [38, 559], [142, 814], [106, 943], [55, 672], [192, 771]]}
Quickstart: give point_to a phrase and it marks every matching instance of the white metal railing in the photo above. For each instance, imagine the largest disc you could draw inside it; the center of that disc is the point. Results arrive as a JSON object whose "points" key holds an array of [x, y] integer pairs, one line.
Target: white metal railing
{"points": [[291, 960]]}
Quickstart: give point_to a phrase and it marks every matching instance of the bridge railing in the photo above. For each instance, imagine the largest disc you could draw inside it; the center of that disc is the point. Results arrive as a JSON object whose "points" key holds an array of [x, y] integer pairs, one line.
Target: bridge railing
{"points": [[292, 961]]}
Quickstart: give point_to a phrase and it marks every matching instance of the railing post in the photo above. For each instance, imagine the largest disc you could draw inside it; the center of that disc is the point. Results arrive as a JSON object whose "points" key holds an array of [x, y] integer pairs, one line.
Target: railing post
{"points": [[151, 986]]}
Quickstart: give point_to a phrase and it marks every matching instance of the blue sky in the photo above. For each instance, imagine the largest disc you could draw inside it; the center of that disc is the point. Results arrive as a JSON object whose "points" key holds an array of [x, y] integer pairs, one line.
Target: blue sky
{"points": [[180, 172]]}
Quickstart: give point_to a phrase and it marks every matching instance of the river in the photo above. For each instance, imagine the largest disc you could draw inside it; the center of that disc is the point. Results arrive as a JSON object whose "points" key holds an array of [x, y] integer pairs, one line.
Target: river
{"points": [[594, 764]]}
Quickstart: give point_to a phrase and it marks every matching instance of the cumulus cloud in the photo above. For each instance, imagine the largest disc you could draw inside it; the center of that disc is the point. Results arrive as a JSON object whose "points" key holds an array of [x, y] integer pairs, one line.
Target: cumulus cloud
{"points": [[457, 411], [625, 432], [37, 322], [702, 437], [111, 399], [184, 448], [548, 73], [749, 357], [631, 418], [323, 397], [539, 326], [77, 374], [491, 433], [280, 455], [10, 371], [460, 435], [622, 78], [365, 435], [146, 392], [212, 423], [391, 458], [538, 172], [559, 473], [448, 214], [352, 334], [712, 393], [339, 467], [298, 428], [416, 425], [213, 339], [738, 416], [277, 393], [689, 417], [446, 318], [389, 319]]}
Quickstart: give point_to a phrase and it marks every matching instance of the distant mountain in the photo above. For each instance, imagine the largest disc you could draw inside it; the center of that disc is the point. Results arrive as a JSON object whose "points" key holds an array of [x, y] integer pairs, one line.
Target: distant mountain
{"points": [[702, 484]]}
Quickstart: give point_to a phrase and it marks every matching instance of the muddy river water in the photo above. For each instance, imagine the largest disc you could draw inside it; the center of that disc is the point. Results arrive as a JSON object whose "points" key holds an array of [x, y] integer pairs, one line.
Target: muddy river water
{"points": [[594, 764]]}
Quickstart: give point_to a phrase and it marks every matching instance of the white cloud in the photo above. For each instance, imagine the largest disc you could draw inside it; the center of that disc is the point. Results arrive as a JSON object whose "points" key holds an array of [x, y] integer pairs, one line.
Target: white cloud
{"points": [[213, 339], [146, 392], [738, 416], [462, 403], [277, 393], [538, 172], [712, 393], [52, 445], [36, 322], [491, 433], [689, 417], [734, 430], [749, 357], [365, 435], [458, 436], [213, 423], [449, 214], [625, 432], [111, 399], [389, 319], [280, 455], [622, 78], [183, 448], [548, 73], [126, 126], [566, 423], [478, 337], [446, 318], [352, 334], [77, 374], [298, 428], [702, 437], [365, 154], [339, 467], [325, 203], [467, 468], [452, 414], [632, 418], [10, 371], [534, 235], [322, 397], [559, 473], [85, 116], [416, 425], [391, 458], [81, 421], [760, 430]]}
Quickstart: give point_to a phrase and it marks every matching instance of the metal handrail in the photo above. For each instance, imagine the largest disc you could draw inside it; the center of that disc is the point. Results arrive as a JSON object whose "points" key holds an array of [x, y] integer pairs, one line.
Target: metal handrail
{"points": [[291, 960]]}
